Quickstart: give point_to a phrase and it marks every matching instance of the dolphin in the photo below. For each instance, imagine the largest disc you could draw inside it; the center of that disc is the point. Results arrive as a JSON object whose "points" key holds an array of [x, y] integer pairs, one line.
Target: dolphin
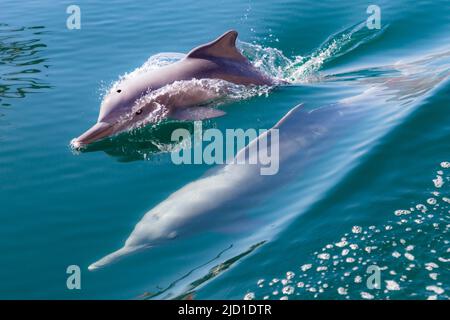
{"points": [[138, 100], [324, 135], [195, 206]]}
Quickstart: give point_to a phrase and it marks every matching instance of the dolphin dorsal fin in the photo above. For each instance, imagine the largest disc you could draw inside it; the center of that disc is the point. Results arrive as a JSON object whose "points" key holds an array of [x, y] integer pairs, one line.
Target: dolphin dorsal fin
{"points": [[297, 111], [222, 47]]}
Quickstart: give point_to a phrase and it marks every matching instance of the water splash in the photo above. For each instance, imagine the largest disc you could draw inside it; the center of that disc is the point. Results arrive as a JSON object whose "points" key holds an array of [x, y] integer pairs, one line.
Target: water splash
{"points": [[303, 69], [341, 267]]}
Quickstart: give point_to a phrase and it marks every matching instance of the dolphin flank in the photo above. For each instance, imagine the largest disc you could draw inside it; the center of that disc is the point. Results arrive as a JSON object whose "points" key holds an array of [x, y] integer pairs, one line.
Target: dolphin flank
{"points": [[124, 107], [194, 207]]}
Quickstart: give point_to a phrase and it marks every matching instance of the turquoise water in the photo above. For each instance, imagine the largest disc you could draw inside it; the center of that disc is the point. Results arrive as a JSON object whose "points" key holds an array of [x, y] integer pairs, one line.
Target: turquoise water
{"points": [[60, 207]]}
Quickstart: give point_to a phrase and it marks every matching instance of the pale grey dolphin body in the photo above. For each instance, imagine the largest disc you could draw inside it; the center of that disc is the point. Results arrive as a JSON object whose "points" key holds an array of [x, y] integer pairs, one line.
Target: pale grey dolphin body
{"points": [[304, 138], [219, 60], [195, 206]]}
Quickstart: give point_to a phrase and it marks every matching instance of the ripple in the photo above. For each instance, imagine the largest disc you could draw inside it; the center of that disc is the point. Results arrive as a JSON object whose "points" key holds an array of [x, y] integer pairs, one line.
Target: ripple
{"points": [[24, 65]]}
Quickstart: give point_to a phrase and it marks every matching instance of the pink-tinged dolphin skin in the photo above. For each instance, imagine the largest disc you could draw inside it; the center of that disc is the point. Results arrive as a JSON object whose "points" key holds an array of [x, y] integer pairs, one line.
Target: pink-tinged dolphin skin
{"points": [[195, 207], [124, 106]]}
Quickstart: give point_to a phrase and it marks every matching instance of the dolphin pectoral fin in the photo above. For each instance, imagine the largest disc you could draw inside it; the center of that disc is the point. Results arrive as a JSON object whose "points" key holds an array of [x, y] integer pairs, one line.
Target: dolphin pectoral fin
{"points": [[197, 113]]}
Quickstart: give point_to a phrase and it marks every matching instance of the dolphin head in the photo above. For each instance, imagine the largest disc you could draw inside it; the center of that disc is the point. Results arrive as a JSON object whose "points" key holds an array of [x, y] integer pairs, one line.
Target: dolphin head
{"points": [[146, 234], [120, 110]]}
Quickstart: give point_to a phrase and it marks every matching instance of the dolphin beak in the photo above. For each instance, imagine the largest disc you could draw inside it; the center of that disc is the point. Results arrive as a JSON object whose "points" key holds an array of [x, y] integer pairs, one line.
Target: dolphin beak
{"points": [[97, 132], [116, 255]]}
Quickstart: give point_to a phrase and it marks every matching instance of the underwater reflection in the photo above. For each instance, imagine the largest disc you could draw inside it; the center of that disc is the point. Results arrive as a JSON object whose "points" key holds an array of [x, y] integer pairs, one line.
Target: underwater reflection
{"points": [[23, 65], [182, 292], [143, 143], [402, 82]]}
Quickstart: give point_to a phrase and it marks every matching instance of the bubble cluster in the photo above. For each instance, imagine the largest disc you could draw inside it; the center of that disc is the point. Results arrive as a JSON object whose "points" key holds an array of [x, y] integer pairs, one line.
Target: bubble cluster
{"points": [[342, 270]]}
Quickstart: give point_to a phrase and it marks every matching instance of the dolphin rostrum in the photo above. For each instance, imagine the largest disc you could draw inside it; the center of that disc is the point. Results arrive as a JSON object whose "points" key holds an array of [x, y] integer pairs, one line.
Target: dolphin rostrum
{"points": [[194, 206], [138, 100]]}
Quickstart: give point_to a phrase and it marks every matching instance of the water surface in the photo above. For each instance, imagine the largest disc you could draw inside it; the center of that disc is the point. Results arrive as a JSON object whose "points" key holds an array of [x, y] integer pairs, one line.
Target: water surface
{"points": [[60, 207]]}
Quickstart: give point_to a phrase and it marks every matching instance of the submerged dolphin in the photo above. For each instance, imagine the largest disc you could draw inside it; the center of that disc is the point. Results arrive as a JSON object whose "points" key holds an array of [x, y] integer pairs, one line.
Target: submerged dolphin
{"points": [[124, 106], [197, 204]]}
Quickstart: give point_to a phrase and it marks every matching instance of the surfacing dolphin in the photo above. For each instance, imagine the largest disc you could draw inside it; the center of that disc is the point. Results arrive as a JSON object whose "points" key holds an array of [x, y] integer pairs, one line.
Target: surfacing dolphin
{"points": [[125, 107], [303, 135]]}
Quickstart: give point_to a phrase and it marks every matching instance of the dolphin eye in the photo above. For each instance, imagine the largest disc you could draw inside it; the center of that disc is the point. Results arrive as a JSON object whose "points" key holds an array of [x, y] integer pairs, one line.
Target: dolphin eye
{"points": [[119, 91], [139, 111]]}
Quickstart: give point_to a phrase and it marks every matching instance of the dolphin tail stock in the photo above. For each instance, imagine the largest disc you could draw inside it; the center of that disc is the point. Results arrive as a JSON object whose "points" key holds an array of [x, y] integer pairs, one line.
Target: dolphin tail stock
{"points": [[114, 257]]}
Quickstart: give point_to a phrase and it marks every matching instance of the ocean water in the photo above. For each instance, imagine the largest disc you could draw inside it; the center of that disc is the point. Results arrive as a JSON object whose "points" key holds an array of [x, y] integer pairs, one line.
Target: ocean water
{"points": [[378, 194]]}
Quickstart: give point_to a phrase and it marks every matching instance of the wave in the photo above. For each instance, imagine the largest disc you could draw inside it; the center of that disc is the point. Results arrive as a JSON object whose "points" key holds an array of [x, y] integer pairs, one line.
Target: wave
{"points": [[304, 69], [23, 63]]}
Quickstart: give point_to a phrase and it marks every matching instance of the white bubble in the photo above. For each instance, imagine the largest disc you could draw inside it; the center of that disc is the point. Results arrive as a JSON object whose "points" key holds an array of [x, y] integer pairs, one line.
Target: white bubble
{"points": [[249, 296], [356, 229], [342, 243], [324, 256], [438, 182], [366, 295], [392, 285], [288, 290], [421, 207], [342, 291], [306, 267], [290, 275], [401, 212], [409, 256], [445, 164], [433, 276], [435, 289]]}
